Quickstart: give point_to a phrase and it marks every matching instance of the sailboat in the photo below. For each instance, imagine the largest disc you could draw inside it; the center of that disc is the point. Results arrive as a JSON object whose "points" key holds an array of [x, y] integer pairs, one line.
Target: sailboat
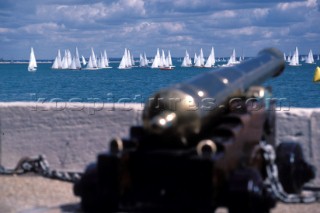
{"points": [[90, 64], [156, 60], [162, 60], [232, 60], [77, 59], [199, 60], [106, 60], [57, 64], [310, 59], [211, 59], [69, 58], [295, 58], [125, 62], [64, 62], [93, 58], [289, 58], [100, 62], [186, 60], [32, 62], [294, 61], [143, 62], [316, 77], [170, 59], [84, 62], [167, 62], [73, 65]]}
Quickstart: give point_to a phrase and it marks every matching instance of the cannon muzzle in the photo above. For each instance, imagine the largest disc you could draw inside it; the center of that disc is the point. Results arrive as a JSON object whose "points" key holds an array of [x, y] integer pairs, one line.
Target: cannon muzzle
{"points": [[186, 108]]}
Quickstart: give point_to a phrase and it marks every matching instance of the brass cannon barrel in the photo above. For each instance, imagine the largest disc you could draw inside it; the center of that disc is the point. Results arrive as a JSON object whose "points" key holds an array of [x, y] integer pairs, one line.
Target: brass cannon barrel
{"points": [[186, 108]]}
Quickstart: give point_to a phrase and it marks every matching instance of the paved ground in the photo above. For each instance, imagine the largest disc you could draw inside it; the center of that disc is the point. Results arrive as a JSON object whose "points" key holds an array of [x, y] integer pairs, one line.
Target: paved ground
{"points": [[32, 194]]}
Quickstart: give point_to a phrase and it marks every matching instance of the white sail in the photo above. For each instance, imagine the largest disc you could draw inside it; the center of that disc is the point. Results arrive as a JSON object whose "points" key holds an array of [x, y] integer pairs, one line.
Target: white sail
{"points": [[73, 65], [93, 58], [129, 59], [69, 58], [59, 60], [310, 59], [201, 57], [142, 62], [233, 60], [162, 59], [166, 62], [64, 62], [90, 64], [125, 62], [84, 62], [156, 60], [208, 63], [32, 67], [189, 61], [55, 64], [145, 59], [132, 60], [288, 58], [211, 59], [186, 62], [106, 59], [169, 59], [295, 58], [77, 59], [102, 62], [195, 59], [199, 61]]}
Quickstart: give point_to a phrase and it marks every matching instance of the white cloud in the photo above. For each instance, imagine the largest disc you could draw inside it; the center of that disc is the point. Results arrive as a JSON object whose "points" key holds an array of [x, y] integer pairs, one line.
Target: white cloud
{"points": [[189, 3], [89, 13], [42, 28], [154, 27], [180, 38], [242, 31], [172, 27], [224, 14], [4, 30], [294, 5], [143, 24], [313, 36], [261, 12]]}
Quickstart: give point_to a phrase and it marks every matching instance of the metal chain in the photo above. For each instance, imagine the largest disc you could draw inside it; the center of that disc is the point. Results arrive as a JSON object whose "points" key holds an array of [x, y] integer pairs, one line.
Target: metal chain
{"points": [[39, 165], [276, 187]]}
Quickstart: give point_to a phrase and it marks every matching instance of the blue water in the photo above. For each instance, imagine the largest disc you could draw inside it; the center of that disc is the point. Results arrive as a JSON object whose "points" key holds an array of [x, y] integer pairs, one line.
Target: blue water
{"points": [[135, 85]]}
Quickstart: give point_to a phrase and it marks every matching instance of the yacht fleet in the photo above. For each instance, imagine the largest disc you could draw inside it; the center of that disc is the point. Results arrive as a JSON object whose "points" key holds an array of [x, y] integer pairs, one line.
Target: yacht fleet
{"points": [[295, 59], [160, 61]]}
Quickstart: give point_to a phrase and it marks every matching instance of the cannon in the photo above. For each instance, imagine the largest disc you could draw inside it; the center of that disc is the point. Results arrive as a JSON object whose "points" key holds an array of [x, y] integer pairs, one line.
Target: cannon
{"points": [[205, 143]]}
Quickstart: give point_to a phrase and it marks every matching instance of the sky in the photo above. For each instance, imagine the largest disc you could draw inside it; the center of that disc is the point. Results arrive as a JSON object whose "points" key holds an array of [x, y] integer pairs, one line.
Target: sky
{"points": [[145, 25]]}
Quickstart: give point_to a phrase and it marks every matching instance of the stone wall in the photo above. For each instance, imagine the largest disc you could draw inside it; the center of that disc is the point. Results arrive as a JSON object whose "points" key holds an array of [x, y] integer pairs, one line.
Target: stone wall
{"points": [[71, 134]]}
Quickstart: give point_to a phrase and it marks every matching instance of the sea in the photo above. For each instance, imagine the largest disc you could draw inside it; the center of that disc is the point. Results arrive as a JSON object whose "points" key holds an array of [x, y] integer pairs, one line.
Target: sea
{"points": [[294, 87]]}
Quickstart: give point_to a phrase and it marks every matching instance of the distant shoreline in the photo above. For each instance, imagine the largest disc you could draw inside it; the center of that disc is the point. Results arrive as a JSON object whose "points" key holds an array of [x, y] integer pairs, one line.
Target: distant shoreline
{"points": [[24, 62], [38, 62]]}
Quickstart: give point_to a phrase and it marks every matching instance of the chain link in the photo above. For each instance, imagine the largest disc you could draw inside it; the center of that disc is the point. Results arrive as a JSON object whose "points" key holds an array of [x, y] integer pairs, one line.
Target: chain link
{"points": [[275, 185], [39, 165]]}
